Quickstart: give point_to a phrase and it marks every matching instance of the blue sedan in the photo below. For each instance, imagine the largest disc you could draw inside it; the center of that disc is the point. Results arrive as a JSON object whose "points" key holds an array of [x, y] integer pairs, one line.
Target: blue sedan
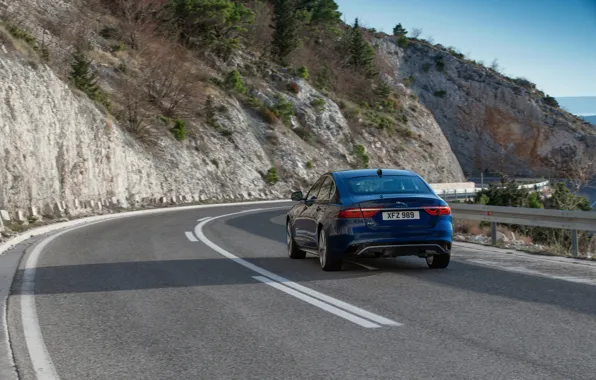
{"points": [[370, 213]]}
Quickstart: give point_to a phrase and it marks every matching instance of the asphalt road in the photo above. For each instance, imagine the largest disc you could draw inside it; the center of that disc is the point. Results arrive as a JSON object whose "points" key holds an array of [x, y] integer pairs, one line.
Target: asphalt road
{"points": [[169, 297]]}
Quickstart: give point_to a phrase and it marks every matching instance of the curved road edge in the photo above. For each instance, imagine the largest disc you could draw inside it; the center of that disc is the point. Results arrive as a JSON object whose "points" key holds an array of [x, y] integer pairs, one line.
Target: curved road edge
{"points": [[13, 250]]}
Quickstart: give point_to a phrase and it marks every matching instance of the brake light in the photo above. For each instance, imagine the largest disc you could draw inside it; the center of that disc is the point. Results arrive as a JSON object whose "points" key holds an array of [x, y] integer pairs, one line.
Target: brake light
{"points": [[438, 210], [351, 213]]}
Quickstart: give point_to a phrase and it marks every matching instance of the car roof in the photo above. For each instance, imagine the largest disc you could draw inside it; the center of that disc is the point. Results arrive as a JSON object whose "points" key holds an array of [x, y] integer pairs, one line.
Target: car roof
{"points": [[372, 172]]}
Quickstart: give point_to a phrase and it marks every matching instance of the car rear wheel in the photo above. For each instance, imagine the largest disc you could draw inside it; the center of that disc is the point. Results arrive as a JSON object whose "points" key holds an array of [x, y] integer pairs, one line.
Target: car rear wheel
{"points": [[438, 261], [328, 263], [293, 251]]}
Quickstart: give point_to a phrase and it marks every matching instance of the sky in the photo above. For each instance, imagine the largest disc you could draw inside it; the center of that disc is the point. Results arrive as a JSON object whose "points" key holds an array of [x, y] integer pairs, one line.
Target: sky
{"points": [[549, 42]]}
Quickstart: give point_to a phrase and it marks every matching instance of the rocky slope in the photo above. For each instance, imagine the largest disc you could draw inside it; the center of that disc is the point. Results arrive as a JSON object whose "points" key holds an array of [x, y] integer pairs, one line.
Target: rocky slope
{"points": [[491, 121], [57, 145]]}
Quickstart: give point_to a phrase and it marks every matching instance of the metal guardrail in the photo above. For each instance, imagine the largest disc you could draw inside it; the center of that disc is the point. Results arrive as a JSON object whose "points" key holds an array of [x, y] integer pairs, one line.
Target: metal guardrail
{"points": [[568, 220]]}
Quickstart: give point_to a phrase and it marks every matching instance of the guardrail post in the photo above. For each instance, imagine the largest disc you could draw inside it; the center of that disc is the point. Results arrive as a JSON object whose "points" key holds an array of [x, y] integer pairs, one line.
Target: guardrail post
{"points": [[574, 246], [493, 233]]}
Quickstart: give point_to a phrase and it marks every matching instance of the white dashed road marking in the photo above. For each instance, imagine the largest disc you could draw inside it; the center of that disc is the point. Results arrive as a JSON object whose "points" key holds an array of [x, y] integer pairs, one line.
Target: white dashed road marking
{"points": [[292, 288], [191, 236]]}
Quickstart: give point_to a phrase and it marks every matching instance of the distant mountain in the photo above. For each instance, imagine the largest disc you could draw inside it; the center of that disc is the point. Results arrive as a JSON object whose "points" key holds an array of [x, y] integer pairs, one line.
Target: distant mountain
{"points": [[590, 119], [578, 105]]}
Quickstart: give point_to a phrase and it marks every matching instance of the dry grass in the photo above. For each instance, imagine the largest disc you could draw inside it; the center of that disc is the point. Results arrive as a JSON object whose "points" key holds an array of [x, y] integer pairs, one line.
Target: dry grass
{"points": [[473, 227], [18, 46], [469, 227]]}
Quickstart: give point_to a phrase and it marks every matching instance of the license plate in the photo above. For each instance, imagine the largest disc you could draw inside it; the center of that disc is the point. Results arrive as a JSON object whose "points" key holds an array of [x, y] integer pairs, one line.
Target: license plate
{"points": [[401, 215]]}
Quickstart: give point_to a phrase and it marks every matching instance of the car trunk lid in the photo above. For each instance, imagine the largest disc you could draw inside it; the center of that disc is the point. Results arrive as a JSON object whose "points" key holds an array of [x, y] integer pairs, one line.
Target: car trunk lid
{"points": [[403, 211]]}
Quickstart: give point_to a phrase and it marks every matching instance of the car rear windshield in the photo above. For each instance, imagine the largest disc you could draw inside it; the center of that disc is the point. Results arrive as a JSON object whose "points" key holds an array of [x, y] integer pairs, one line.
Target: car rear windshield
{"points": [[399, 184]]}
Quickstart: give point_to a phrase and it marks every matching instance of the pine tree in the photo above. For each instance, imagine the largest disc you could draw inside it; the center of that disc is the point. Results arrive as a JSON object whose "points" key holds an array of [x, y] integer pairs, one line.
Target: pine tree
{"points": [[285, 36], [325, 12], [82, 76], [362, 55], [86, 80], [399, 31]]}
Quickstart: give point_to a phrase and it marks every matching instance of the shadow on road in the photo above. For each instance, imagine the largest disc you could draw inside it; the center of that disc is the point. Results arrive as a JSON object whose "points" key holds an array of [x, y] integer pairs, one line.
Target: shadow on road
{"points": [[460, 275], [209, 271]]}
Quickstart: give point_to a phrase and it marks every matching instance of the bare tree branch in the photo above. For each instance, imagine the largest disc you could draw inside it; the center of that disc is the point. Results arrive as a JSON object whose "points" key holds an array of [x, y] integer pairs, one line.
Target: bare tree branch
{"points": [[416, 32], [168, 80]]}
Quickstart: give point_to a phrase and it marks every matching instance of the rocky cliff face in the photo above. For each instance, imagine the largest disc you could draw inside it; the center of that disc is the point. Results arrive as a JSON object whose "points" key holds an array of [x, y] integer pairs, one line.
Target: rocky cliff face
{"points": [[57, 145], [492, 122]]}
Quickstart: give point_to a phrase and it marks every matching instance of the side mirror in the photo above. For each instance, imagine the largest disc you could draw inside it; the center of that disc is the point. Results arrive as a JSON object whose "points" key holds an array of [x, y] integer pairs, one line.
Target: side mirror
{"points": [[297, 196]]}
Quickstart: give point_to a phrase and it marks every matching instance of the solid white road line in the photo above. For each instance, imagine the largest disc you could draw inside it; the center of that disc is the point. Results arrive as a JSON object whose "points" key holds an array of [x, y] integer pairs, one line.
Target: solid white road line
{"points": [[38, 353], [205, 218], [524, 270], [191, 236], [313, 293], [320, 304]]}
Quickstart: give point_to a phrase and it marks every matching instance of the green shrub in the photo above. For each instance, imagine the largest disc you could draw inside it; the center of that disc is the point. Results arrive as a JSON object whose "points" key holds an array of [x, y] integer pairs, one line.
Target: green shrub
{"points": [[379, 120], [235, 83], [405, 132], [254, 103], [118, 47], [342, 104], [302, 72], [455, 53], [216, 81], [86, 80], [409, 81], [103, 99], [250, 70], [164, 119], [523, 82], [44, 53], [271, 176], [283, 109], [215, 162], [179, 130], [440, 93], [309, 165], [21, 34], [551, 101], [402, 41], [318, 104], [360, 152]]}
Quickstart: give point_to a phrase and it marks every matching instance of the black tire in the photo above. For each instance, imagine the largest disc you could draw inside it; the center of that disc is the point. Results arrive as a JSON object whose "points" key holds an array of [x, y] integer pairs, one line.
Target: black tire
{"points": [[328, 264], [293, 251], [438, 261]]}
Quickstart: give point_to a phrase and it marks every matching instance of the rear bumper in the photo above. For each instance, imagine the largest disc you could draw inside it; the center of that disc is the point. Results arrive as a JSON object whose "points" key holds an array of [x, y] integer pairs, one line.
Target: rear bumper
{"points": [[400, 249], [363, 242]]}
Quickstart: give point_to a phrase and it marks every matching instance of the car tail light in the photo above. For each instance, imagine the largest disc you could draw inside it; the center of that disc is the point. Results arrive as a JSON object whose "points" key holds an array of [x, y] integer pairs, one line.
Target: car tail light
{"points": [[438, 210], [351, 213]]}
